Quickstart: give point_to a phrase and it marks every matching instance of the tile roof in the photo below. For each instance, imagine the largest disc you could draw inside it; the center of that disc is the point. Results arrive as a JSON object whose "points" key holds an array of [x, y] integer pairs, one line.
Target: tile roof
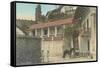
{"points": [[50, 24]]}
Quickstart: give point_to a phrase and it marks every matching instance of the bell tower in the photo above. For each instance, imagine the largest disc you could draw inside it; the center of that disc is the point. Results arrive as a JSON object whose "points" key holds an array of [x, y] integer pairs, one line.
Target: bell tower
{"points": [[38, 13]]}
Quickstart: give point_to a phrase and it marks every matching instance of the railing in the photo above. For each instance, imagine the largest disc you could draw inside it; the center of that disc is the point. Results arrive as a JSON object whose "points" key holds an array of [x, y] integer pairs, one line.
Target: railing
{"points": [[86, 31], [51, 35], [60, 34]]}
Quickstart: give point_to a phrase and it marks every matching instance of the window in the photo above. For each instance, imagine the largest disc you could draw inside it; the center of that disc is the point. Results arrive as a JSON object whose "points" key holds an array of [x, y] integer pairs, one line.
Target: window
{"points": [[84, 26], [88, 42], [45, 32], [33, 32], [52, 31], [87, 23], [60, 30], [93, 18], [38, 32]]}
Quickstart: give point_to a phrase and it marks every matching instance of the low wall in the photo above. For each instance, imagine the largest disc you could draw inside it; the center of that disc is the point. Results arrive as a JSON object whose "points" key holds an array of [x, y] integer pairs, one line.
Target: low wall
{"points": [[28, 50]]}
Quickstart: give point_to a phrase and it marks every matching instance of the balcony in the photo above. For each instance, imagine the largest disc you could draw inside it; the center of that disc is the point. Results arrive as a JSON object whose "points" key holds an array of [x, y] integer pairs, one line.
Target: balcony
{"points": [[53, 35], [60, 35], [85, 32]]}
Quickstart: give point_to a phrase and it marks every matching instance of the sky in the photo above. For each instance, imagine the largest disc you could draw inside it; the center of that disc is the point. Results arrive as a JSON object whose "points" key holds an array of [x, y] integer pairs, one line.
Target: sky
{"points": [[27, 10]]}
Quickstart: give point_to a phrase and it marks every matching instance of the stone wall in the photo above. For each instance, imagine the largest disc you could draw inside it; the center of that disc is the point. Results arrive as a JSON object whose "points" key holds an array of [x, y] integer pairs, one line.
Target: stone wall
{"points": [[28, 50]]}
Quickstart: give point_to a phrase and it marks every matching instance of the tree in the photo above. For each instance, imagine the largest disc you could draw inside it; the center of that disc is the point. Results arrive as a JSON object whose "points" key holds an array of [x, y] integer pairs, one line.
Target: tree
{"points": [[70, 32]]}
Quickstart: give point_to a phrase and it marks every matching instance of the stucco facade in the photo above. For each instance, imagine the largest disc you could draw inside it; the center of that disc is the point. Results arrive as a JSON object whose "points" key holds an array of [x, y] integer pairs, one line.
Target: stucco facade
{"points": [[87, 37]]}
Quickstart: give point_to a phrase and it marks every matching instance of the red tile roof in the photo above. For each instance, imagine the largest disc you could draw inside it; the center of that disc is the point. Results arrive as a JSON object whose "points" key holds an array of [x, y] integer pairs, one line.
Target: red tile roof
{"points": [[50, 24]]}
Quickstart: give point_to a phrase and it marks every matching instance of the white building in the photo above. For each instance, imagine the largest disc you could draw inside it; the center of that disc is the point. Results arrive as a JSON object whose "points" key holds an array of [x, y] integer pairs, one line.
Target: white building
{"points": [[19, 32], [52, 35], [87, 36]]}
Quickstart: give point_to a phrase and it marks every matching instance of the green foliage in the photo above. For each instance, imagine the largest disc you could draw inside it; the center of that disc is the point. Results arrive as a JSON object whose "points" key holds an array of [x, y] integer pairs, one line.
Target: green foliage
{"points": [[71, 30], [68, 35], [68, 31], [81, 13]]}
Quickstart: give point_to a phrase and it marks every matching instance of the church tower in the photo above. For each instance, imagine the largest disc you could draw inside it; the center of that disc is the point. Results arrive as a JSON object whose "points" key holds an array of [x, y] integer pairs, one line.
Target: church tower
{"points": [[38, 13]]}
